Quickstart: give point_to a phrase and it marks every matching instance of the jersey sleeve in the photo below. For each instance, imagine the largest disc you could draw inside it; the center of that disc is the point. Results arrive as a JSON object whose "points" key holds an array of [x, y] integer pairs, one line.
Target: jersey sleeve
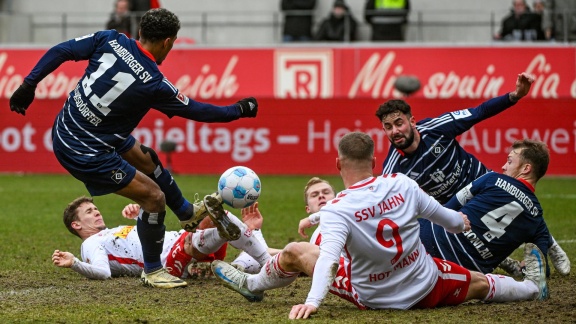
{"points": [[431, 209], [467, 193], [455, 123], [334, 232], [95, 264], [77, 49], [171, 102]]}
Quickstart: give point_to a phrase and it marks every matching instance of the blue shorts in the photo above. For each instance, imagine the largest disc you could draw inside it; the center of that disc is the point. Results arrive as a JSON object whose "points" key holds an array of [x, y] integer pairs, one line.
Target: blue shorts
{"points": [[104, 173]]}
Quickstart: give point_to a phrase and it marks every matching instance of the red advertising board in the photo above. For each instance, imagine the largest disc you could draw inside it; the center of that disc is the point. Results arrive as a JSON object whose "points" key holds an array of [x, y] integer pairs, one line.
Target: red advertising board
{"points": [[309, 98]]}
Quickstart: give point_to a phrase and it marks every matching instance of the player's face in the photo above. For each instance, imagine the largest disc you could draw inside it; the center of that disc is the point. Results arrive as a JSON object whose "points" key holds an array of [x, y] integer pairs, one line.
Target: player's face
{"points": [[399, 129], [513, 166], [318, 195], [89, 218]]}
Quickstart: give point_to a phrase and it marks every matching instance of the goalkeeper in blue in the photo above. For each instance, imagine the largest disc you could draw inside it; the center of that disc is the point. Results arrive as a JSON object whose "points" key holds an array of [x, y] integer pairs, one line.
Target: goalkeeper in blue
{"points": [[92, 133], [427, 151], [503, 212]]}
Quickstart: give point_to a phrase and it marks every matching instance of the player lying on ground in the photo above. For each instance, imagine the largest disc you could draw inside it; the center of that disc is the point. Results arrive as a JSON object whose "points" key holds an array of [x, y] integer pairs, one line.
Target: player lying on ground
{"points": [[112, 252], [370, 251], [492, 237], [427, 151]]}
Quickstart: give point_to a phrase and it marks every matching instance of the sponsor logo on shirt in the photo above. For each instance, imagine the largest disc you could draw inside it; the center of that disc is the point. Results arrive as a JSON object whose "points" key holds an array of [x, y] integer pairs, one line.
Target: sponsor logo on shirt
{"points": [[124, 231]]}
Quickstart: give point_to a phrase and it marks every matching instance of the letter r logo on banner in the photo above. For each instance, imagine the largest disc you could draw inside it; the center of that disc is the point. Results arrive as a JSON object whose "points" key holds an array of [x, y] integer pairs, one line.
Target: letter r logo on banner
{"points": [[303, 74]]}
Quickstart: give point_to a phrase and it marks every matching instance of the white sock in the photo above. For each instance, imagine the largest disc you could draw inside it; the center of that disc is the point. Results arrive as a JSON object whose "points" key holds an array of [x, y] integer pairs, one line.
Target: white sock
{"points": [[207, 241], [249, 243], [247, 262], [270, 276], [506, 289]]}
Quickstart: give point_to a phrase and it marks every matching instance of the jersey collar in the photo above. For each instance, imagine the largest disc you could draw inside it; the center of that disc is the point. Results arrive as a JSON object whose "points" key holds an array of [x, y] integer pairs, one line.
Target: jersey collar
{"points": [[150, 56], [362, 183], [527, 184]]}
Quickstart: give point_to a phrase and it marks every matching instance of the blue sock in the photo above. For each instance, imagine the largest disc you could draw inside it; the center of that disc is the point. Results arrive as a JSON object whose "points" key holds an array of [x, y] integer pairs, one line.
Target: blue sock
{"points": [[152, 238], [174, 199]]}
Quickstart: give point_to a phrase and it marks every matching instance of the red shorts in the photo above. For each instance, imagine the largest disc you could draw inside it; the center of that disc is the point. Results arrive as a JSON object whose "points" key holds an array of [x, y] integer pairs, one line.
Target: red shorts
{"points": [[451, 287], [178, 259]]}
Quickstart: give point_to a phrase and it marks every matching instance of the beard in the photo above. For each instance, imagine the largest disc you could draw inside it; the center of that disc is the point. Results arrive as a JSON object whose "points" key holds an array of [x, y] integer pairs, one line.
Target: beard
{"points": [[408, 140]]}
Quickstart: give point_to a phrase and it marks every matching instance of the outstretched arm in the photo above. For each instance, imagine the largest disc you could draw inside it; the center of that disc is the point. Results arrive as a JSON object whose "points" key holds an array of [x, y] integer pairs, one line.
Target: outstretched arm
{"points": [[252, 217], [523, 84], [62, 259]]}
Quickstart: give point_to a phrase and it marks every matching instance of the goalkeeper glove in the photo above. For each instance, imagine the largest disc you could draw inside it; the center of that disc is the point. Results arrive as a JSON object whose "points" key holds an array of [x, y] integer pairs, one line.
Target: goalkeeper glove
{"points": [[22, 98], [248, 107]]}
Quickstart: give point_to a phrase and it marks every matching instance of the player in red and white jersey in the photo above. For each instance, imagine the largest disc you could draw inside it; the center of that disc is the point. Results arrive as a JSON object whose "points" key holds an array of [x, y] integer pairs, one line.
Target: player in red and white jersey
{"points": [[374, 224], [113, 252]]}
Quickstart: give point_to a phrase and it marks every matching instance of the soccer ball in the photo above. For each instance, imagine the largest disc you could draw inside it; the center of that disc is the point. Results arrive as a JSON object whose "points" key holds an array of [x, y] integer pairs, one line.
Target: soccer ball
{"points": [[239, 187]]}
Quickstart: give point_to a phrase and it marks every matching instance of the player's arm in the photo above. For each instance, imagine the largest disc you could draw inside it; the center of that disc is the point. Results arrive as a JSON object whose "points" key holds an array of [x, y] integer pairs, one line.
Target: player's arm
{"points": [[453, 221], [99, 266], [467, 193], [172, 102], [305, 223], [464, 119]]}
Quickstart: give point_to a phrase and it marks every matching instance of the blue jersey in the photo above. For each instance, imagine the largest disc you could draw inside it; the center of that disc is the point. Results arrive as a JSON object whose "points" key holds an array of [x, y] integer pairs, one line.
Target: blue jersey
{"points": [[503, 212], [120, 85], [440, 165]]}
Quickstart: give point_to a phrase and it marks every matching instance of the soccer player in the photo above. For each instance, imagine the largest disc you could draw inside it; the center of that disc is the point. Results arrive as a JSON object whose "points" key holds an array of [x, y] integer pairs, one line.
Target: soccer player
{"points": [[503, 212], [92, 133], [428, 152], [374, 224], [112, 252]]}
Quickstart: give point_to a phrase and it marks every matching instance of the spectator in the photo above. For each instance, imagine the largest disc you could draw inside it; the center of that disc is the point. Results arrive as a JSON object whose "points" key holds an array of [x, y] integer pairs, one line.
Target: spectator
{"points": [[297, 20], [538, 7], [559, 20], [521, 24], [339, 26], [120, 18], [138, 8], [388, 19]]}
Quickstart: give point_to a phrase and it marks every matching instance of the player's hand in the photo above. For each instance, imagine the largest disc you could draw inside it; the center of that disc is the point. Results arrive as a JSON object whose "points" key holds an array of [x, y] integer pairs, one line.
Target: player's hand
{"points": [[466, 222], [304, 224], [248, 107], [523, 84], [62, 259], [302, 311], [131, 211], [22, 98], [252, 217]]}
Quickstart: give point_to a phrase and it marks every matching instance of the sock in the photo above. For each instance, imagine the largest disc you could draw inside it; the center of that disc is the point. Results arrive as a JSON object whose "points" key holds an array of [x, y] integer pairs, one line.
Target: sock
{"points": [[506, 289], [150, 228], [207, 241], [247, 262], [249, 243], [271, 276], [174, 199]]}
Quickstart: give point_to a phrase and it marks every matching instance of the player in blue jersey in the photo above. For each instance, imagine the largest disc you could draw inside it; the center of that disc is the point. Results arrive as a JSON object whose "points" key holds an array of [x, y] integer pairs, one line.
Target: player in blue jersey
{"points": [[428, 152], [503, 212], [92, 133]]}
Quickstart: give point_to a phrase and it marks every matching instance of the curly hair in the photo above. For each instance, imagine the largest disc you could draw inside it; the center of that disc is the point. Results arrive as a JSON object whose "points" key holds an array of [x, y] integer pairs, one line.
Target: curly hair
{"points": [[391, 106], [158, 24]]}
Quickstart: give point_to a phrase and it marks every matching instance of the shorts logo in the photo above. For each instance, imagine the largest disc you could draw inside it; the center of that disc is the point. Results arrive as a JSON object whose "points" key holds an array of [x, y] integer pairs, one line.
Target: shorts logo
{"points": [[303, 74], [182, 98], [118, 175]]}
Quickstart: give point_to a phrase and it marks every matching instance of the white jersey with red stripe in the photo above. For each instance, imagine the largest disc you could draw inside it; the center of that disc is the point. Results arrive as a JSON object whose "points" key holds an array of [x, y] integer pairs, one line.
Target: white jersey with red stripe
{"points": [[374, 225], [115, 252]]}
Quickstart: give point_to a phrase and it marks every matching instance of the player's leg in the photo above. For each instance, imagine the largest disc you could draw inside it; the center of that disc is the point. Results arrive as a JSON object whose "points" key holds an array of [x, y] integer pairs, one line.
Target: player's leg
{"points": [[504, 289], [151, 229], [146, 160]]}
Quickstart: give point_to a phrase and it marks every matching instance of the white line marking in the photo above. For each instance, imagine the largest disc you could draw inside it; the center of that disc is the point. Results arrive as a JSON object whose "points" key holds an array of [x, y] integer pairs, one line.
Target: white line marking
{"points": [[565, 241], [288, 139], [561, 196]]}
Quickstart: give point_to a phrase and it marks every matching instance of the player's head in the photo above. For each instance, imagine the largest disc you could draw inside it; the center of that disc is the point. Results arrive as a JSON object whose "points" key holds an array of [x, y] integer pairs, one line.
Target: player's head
{"points": [[82, 218], [356, 153], [528, 159], [159, 27], [397, 122], [316, 193]]}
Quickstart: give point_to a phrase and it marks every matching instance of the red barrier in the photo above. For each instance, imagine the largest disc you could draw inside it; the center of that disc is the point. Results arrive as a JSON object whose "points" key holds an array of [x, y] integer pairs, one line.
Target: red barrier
{"points": [[297, 136]]}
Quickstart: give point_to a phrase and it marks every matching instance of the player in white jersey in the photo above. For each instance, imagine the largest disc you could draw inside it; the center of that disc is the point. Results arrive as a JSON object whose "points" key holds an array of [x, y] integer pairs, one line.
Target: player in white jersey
{"points": [[374, 224], [112, 252]]}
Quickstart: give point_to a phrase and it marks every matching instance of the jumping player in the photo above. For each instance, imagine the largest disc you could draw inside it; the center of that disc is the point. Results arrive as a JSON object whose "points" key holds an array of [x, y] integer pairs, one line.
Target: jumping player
{"points": [[92, 133]]}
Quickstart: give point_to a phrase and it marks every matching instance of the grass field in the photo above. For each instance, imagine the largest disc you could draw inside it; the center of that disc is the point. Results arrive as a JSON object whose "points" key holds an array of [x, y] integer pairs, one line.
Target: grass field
{"points": [[33, 290]]}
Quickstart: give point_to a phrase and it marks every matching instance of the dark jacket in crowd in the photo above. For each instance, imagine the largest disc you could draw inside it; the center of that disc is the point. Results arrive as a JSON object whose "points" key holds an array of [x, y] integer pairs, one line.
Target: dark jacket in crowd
{"points": [[298, 25], [526, 27]]}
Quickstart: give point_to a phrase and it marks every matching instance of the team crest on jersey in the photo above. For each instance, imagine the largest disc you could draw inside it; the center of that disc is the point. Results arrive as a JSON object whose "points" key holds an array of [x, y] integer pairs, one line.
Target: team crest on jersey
{"points": [[118, 175], [437, 149], [183, 99], [123, 232], [461, 114]]}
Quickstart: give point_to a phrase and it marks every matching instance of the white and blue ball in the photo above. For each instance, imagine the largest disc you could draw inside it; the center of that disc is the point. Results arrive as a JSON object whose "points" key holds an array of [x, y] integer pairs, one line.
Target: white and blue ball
{"points": [[239, 187]]}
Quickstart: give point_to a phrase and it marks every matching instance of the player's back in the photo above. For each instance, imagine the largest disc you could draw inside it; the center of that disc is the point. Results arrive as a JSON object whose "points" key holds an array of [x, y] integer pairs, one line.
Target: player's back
{"points": [[388, 265]]}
